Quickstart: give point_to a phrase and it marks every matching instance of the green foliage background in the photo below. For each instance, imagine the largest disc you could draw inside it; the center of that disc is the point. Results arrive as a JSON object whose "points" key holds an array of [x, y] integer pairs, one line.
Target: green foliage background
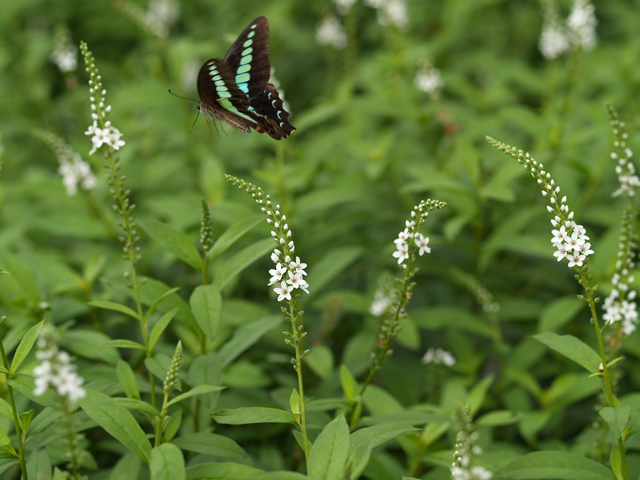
{"points": [[368, 147]]}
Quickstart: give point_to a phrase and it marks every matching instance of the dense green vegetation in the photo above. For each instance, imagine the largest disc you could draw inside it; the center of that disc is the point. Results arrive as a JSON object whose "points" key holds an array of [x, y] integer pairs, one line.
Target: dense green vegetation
{"points": [[378, 131]]}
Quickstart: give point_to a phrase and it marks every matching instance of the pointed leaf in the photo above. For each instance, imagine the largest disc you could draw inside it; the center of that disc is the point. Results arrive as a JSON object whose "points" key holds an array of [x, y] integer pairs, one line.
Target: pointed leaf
{"points": [[159, 327], [246, 336], [173, 241], [242, 260], [249, 415], [572, 348], [118, 422], [127, 468], [556, 465], [232, 234], [199, 390], [114, 306], [211, 444], [377, 435], [223, 471], [331, 265], [39, 466], [123, 343], [206, 303], [166, 462], [127, 379], [135, 404], [616, 418], [328, 454], [25, 346]]}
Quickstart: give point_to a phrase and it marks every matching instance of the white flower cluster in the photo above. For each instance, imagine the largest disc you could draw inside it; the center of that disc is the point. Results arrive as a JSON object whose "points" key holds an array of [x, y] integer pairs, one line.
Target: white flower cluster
{"points": [[582, 24], [625, 169], [556, 38], [101, 131], [384, 297], [402, 245], [160, 15], [55, 370], [464, 454], [428, 79], [570, 239], [75, 171], [619, 305], [392, 12], [438, 357], [343, 6], [331, 32], [65, 53], [288, 274]]}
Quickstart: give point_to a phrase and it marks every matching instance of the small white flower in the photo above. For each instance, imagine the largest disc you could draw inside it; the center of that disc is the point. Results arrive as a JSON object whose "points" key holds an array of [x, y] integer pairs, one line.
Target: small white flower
{"points": [[403, 237], [277, 273], [298, 266], [284, 291], [402, 253], [422, 242]]}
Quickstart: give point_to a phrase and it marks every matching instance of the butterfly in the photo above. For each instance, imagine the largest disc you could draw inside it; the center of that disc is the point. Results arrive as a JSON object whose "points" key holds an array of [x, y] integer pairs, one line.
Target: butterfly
{"points": [[237, 89]]}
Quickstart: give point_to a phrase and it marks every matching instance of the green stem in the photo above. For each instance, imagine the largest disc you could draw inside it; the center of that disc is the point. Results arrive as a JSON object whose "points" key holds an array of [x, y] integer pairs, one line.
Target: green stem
{"points": [[297, 343], [71, 438], [21, 436], [160, 420], [606, 375]]}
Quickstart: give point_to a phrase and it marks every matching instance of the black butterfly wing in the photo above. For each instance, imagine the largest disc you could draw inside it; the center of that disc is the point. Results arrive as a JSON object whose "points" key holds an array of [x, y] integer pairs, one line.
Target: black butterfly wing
{"points": [[248, 58], [220, 97], [270, 114]]}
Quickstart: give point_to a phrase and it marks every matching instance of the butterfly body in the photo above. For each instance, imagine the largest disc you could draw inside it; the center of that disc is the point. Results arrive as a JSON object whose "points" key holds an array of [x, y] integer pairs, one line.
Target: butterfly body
{"points": [[236, 89]]}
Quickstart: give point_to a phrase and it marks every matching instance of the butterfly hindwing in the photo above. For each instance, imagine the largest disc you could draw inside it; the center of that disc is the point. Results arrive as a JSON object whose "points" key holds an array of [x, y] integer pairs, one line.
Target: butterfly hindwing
{"points": [[271, 116], [248, 58]]}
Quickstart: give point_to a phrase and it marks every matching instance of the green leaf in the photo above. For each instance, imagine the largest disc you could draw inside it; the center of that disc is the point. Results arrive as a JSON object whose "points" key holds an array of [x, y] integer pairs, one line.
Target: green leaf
{"points": [[320, 361], [166, 462], [159, 327], [572, 348], [556, 465], [39, 466], [282, 475], [127, 468], [359, 459], [25, 385], [114, 306], [206, 303], [223, 471], [246, 336], [152, 290], [242, 260], [616, 418], [211, 444], [5, 409], [123, 343], [331, 265], [25, 419], [560, 312], [250, 415], [127, 379], [497, 418], [328, 454], [232, 234], [616, 462], [199, 390], [477, 394], [135, 404], [162, 298], [89, 344], [348, 381], [25, 346], [377, 435], [173, 241], [118, 422]]}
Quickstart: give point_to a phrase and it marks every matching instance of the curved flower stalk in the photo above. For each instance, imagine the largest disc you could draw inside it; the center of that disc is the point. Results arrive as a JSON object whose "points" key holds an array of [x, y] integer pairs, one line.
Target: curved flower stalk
{"points": [[571, 243], [287, 277], [409, 244], [620, 306], [466, 451]]}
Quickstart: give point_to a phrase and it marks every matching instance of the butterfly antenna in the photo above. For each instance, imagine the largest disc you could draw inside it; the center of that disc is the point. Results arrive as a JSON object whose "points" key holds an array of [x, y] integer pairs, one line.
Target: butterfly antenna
{"points": [[184, 98]]}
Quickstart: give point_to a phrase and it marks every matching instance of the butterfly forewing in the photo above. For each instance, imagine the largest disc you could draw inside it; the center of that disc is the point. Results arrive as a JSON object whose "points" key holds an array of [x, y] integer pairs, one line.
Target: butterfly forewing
{"points": [[248, 58]]}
